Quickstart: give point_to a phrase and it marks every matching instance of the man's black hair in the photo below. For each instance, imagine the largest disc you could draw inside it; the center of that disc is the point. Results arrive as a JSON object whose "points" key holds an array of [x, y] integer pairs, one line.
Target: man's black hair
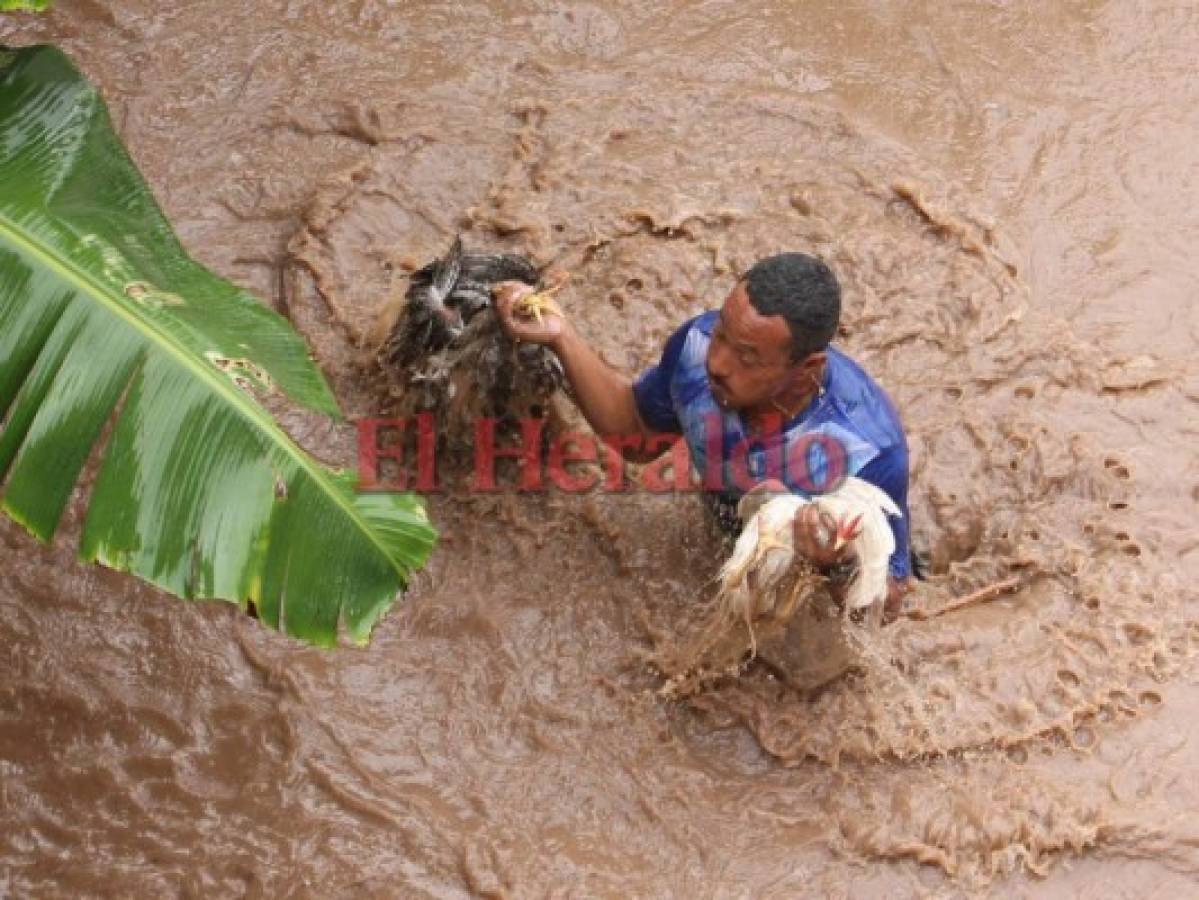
{"points": [[801, 289]]}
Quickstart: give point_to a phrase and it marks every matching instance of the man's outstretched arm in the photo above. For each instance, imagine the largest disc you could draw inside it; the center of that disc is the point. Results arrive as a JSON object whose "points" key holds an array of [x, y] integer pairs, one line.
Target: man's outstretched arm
{"points": [[604, 396]]}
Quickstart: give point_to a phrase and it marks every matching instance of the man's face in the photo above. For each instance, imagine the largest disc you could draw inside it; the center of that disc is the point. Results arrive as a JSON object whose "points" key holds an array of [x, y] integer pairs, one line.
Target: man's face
{"points": [[749, 359]]}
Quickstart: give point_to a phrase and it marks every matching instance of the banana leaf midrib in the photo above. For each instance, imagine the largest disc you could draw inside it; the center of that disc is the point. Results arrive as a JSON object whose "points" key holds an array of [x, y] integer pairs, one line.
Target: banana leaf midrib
{"points": [[222, 386]]}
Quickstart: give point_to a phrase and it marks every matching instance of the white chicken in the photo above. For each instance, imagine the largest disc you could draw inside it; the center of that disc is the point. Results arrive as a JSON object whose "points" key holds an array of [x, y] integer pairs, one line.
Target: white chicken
{"points": [[755, 582], [763, 584]]}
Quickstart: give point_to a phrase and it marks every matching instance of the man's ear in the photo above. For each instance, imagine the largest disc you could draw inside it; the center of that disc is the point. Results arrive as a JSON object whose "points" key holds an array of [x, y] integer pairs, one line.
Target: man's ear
{"points": [[815, 361], [809, 367], [804, 374]]}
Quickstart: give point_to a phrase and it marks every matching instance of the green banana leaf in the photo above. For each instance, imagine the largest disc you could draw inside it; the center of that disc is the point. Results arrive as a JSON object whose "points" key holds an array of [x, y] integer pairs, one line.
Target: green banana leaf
{"points": [[102, 312]]}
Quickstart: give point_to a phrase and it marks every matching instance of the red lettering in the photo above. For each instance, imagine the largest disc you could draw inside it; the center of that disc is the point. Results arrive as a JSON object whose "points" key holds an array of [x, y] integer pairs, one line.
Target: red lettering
{"points": [[426, 452], [572, 447], [669, 471], [766, 436], [528, 454], [738, 467], [800, 463], [614, 445], [369, 454], [713, 475]]}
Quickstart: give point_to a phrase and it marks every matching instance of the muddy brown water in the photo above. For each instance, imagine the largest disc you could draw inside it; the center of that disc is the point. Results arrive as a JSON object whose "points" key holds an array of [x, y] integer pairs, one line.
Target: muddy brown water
{"points": [[1007, 192]]}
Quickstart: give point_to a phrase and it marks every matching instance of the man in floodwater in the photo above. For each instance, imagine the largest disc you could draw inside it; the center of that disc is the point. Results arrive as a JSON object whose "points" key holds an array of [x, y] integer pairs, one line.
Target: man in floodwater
{"points": [[759, 372]]}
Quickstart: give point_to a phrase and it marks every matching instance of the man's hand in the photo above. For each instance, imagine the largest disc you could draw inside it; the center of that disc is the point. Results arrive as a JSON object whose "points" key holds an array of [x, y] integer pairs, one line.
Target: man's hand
{"points": [[548, 331], [816, 537], [604, 396], [815, 533]]}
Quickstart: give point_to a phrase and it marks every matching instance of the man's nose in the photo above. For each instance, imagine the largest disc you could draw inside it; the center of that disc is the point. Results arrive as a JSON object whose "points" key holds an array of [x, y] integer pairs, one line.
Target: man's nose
{"points": [[719, 363]]}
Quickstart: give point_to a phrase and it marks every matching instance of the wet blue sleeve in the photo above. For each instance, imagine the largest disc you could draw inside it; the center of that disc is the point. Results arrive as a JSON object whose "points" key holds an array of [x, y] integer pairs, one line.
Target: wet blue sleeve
{"points": [[651, 389], [889, 471]]}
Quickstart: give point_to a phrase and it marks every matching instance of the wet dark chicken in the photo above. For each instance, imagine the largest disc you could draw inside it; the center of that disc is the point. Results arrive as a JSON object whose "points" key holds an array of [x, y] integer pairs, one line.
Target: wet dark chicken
{"points": [[448, 353]]}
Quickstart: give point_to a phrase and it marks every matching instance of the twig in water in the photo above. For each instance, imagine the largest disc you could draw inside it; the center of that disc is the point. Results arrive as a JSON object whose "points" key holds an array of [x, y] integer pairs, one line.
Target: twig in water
{"points": [[990, 592]]}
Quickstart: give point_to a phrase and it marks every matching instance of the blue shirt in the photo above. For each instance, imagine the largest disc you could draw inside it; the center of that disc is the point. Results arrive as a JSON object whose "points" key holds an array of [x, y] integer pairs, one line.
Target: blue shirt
{"points": [[850, 428]]}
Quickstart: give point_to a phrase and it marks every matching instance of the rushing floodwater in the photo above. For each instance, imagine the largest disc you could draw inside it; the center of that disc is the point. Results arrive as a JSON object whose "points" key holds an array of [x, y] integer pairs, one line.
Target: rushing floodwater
{"points": [[1007, 192]]}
